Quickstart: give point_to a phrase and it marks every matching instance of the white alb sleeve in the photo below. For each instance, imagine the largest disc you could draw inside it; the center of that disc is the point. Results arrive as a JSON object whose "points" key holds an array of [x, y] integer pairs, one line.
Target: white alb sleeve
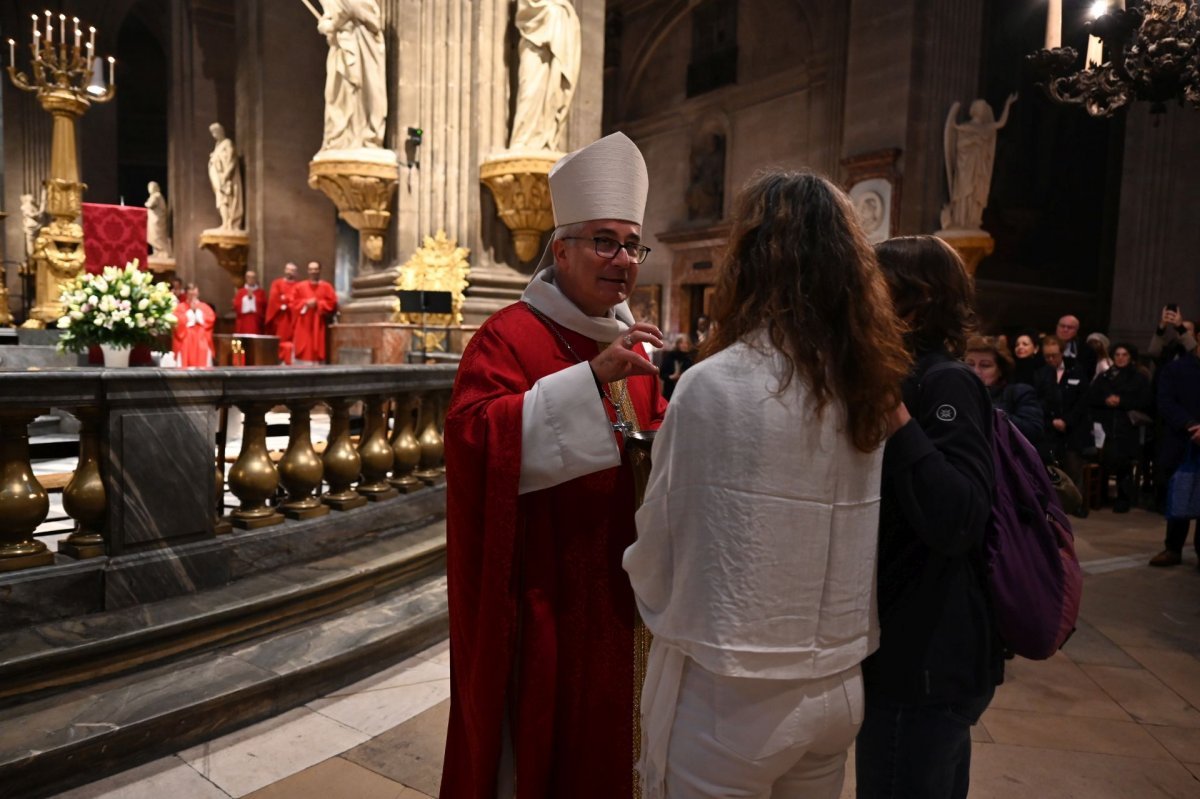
{"points": [[565, 430]]}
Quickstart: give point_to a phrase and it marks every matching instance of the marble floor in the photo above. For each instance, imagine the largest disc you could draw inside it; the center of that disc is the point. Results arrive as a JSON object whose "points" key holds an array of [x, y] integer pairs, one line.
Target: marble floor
{"points": [[1116, 715]]}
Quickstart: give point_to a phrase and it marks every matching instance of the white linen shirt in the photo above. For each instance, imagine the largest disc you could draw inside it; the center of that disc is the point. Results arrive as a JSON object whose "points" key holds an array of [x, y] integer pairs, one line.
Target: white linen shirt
{"points": [[756, 548]]}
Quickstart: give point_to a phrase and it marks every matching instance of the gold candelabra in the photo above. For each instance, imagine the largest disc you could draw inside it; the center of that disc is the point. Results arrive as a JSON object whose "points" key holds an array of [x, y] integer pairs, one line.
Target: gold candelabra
{"points": [[67, 82]]}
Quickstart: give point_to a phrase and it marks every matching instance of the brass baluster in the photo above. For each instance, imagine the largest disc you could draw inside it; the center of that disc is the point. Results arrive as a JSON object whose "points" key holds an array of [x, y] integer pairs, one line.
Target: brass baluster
{"points": [[301, 469], [23, 501], [342, 461], [432, 448], [84, 498], [375, 452], [253, 478], [443, 408], [406, 451]]}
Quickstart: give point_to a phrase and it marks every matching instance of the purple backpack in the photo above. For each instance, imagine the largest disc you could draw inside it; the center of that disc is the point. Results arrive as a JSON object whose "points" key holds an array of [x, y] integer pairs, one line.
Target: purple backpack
{"points": [[1032, 571]]}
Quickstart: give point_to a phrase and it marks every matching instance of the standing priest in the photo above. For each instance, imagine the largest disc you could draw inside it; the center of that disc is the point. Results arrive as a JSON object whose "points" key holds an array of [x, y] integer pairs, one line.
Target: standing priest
{"points": [[249, 306], [540, 505], [279, 310], [313, 302]]}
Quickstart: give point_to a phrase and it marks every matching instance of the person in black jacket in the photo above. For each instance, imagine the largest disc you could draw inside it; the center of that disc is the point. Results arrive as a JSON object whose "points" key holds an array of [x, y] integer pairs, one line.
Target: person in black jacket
{"points": [[675, 362], [1112, 395], [939, 657], [994, 367], [1068, 424], [1179, 408]]}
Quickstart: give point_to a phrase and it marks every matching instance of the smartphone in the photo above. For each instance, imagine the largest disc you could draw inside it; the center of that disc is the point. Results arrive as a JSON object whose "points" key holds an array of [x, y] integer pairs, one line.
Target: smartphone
{"points": [[1173, 307]]}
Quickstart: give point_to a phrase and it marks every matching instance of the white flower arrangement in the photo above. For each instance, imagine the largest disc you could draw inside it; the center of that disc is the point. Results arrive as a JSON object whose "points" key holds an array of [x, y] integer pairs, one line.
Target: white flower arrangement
{"points": [[117, 307]]}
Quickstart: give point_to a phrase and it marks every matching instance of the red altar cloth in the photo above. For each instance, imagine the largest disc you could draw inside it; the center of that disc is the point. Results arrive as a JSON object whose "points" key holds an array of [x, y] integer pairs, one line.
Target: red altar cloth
{"points": [[113, 235]]}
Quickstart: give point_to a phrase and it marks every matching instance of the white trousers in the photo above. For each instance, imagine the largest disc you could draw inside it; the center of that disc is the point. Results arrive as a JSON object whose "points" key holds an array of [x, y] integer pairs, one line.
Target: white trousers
{"points": [[753, 738]]}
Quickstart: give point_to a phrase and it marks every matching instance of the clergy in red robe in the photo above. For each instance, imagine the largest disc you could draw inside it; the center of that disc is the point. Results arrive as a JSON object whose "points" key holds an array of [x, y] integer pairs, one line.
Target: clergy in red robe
{"points": [[193, 336], [313, 302], [250, 306], [540, 504], [279, 310]]}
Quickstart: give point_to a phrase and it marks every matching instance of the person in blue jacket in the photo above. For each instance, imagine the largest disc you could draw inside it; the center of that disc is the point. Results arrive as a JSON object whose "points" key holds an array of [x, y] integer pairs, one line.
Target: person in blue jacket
{"points": [[1179, 409]]}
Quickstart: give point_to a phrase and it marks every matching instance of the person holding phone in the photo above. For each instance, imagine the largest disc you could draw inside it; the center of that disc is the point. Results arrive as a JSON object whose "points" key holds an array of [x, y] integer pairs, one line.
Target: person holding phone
{"points": [[1174, 336]]}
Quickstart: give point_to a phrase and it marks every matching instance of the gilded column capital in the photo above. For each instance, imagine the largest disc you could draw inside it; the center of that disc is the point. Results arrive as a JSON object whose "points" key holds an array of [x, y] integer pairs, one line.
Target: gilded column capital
{"points": [[520, 185]]}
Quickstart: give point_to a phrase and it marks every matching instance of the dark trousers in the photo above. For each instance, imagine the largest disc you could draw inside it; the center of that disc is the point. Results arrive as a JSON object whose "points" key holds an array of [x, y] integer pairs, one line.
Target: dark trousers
{"points": [[916, 751], [1177, 530]]}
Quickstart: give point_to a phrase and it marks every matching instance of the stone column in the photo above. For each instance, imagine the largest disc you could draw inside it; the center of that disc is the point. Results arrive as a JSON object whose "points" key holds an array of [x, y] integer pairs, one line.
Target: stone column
{"points": [[1157, 234]]}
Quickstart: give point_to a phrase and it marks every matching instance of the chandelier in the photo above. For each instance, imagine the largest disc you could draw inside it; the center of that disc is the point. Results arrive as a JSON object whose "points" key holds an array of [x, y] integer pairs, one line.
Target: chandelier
{"points": [[1153, 55]]}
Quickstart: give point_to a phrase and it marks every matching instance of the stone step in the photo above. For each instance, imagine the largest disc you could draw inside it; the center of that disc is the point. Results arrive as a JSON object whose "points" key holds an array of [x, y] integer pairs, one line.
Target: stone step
{"points": [[56, 654], [80, 735]]}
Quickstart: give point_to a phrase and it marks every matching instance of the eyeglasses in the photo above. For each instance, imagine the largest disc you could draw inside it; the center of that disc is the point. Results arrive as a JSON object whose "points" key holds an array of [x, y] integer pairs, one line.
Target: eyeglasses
{"points": [[608, 248]]}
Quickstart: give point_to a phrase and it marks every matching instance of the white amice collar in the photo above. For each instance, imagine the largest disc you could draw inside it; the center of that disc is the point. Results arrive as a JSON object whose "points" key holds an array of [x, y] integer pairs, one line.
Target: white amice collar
{"points": [[544, 294]]}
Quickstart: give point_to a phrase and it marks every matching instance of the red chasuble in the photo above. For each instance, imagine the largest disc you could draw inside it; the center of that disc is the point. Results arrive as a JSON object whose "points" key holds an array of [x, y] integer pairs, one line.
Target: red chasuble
{"points": [[252, 323], [193, 346], [308, 324], [279, 309], [539, 603]]}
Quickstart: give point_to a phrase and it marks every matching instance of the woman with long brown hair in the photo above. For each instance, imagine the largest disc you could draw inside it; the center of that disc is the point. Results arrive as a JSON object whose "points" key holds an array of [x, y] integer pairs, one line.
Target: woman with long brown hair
{"points": [[938, 660], [756, 544]]}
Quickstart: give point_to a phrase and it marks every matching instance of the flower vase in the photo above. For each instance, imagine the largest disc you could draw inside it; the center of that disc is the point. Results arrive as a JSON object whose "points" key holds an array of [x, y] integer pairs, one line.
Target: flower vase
{"points": [[115, 357]]}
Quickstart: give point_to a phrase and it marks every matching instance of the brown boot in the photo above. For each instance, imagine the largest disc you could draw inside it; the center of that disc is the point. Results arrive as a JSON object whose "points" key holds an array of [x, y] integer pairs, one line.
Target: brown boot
{"points": [[1166, 558]]}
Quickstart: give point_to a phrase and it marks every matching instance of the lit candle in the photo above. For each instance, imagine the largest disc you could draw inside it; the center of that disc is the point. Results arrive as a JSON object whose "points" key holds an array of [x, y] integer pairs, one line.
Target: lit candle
{"points": [[62, 29], [91, 54], [1054, 24], [49, 30], [12, 53], [91, 39], [78, 33], [35, 28], [112, 71]]}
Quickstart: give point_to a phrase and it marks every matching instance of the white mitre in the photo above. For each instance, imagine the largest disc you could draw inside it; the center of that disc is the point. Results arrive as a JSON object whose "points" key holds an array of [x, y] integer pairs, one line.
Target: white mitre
{"points": [[605, 180]]}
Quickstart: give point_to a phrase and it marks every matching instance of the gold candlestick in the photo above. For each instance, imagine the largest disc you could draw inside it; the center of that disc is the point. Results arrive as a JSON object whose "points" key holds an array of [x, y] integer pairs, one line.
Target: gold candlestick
{"points": [[63, 79]]}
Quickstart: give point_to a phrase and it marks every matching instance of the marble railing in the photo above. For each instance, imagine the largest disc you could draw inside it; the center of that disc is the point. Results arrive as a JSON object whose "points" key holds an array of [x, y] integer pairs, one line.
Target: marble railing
{"points": [[149, 475]]}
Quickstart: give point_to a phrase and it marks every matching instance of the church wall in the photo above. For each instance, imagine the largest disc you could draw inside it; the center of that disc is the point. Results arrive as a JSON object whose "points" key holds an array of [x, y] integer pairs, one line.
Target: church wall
{"points": [[783, 111], [204, 63], [280, 115]]}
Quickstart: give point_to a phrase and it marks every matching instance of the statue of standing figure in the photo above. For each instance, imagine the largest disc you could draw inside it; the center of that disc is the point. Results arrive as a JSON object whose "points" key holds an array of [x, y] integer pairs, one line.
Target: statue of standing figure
{"points": [[355, 75], [33, 219], [158, 233], [970, 155], [548, 72], [225, 174]]}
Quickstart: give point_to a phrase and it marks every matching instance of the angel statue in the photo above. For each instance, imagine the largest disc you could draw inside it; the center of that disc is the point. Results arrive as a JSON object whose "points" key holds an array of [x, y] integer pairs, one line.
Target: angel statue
{"points": [[970, 155]]}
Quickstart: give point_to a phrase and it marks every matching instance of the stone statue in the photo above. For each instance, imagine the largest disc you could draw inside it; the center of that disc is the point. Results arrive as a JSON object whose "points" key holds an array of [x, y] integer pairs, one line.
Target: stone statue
{"points": [[33, 218], [158, 234], [549, 71], [970, 155], [225, 174], [355, 75]]}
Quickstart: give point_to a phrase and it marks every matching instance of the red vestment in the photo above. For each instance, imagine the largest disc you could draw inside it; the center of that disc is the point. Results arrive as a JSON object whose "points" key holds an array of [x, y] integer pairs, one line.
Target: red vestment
{"points": [[308, 324], [546, 564], [279, 309], [193, 345], [250, 322]]}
